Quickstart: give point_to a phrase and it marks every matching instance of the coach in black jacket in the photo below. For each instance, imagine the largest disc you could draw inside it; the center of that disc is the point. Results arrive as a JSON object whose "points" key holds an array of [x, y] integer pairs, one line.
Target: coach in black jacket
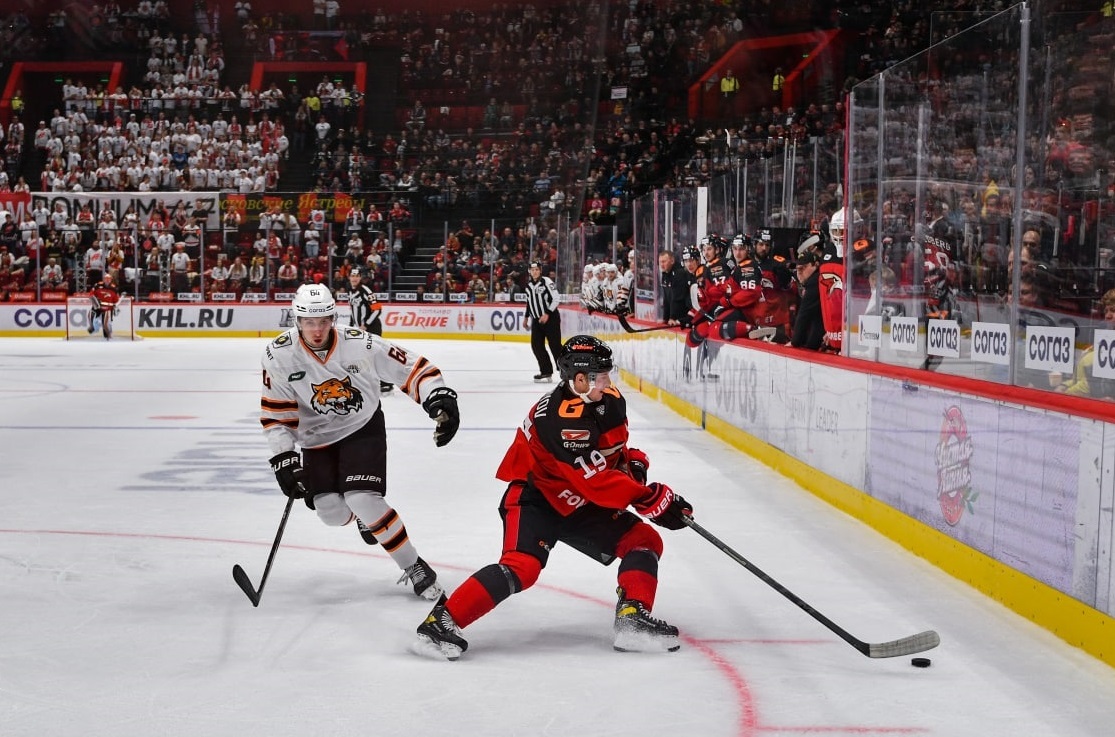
{"points": [[675, 289], [809, 328]]}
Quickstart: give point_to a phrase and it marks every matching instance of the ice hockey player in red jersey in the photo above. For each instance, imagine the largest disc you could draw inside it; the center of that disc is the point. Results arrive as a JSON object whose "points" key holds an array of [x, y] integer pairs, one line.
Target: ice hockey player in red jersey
{"points": [[712, 291], [832, 278], [730, 296], [779, 289], [104, 300], [571, 477], [747, 310], [321, 391]]}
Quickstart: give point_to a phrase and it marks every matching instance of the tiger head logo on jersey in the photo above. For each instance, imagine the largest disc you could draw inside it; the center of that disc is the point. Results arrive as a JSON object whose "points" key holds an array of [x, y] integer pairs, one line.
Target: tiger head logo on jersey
{"points": [[336, 395]]}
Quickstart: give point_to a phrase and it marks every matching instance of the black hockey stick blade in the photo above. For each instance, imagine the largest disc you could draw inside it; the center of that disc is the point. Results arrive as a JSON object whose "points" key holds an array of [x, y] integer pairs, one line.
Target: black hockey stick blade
{"points": [[245, 584], [241, 577], [896, 648], [627, 326]]}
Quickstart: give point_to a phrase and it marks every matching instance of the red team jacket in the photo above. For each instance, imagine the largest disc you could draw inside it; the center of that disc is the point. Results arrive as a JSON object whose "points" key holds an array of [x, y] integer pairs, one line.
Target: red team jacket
{"points": [[574, 453]]}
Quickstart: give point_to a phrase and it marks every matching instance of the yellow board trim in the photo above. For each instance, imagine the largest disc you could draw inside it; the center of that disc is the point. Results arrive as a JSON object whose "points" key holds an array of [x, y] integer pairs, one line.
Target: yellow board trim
{"points": [[1070, 619]]}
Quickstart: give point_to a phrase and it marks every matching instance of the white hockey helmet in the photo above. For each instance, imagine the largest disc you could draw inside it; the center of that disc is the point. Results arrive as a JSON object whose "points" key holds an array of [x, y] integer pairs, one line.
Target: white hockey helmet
{"points": [[589, 269], [314, 300], [838, 228]]}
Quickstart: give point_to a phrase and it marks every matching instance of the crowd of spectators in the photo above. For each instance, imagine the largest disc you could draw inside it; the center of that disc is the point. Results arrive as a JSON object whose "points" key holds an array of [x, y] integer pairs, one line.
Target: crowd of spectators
{"points": [[177, 129], [537, 149]]}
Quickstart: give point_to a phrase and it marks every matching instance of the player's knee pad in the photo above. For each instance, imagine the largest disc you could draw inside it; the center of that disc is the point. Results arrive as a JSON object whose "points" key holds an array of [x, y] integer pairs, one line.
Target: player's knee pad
{"points": [[734, 329], [332, 509], [524, 566], [514, 572], [640, 537], [367, 505]]}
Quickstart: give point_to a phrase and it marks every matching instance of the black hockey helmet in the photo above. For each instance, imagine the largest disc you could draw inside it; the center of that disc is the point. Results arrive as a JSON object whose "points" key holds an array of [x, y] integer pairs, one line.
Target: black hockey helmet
{"points": [[718, 244], [584, 354]]}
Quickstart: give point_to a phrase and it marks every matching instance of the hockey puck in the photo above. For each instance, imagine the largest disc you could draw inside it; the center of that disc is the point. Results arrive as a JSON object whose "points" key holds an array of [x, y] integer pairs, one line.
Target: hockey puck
{"points": [[920, 662]]}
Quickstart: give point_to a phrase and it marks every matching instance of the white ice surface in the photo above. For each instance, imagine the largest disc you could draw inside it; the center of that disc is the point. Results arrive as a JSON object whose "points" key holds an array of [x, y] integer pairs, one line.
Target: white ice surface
{"points": [[133, 476]]}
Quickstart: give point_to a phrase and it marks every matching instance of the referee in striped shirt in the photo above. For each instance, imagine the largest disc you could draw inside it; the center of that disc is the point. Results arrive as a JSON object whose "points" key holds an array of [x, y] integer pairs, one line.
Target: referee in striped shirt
{"points": [[545, 321]]}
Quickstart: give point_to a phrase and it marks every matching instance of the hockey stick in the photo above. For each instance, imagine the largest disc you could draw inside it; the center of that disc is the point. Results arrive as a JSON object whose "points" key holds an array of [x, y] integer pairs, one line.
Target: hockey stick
{"points": [[906, 646], [241, 578], [627, 326]]}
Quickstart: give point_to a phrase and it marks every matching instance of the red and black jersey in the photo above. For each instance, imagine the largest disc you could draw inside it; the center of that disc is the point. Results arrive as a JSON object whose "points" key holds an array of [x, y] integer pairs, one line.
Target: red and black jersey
{"points": [[745, 289], [104, 297], [570, 451], [939, 245], [712, 288]]}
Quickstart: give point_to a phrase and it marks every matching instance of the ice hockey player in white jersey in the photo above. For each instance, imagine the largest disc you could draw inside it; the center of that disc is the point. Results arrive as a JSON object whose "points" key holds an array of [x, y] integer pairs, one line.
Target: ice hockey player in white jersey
{"points": [[590, 294], [610, 286], [321, 393], [625, 289], [600, 277]]}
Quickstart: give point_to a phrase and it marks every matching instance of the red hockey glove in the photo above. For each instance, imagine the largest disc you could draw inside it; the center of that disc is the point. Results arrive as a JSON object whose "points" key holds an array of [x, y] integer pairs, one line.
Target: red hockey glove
{"points": [[663, 507]]}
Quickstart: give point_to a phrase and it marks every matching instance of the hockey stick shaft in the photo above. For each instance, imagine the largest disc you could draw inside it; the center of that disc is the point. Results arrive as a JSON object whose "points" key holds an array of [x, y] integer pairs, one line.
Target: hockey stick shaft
{"points": [[241, 577], [906, 646], [627, 326]]}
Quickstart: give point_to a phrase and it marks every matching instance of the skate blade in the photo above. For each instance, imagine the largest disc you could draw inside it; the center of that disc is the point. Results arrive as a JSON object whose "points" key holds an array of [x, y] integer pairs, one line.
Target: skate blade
{"points": [[433, 592], [427, 648], [636, 642]]}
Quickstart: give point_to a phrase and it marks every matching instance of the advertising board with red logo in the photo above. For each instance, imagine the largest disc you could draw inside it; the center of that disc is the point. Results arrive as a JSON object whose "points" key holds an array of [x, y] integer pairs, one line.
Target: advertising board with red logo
{"points": [[999, 478]]}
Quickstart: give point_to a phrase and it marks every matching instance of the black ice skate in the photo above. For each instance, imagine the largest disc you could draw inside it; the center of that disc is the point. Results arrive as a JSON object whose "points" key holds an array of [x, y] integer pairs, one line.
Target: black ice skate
{"points": [[365, 533], [637, 631], [423, 579], [439, 635], [543, 378]]}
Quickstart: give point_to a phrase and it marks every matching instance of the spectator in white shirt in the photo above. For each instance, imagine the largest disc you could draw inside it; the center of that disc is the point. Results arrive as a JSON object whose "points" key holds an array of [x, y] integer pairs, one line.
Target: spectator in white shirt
{"points": [[311, 242], [322, 129], [179, 268]]}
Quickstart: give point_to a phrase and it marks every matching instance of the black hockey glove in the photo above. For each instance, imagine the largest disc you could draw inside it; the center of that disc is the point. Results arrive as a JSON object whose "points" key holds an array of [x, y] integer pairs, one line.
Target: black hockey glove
{"points": [[637, 464], [441, 406], [663, 507], [289, 473]]}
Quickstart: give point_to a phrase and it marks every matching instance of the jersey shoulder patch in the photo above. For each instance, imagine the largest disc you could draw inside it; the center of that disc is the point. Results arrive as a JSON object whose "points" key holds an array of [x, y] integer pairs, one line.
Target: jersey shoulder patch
{"points": [[353, 334], [282, 341]]}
